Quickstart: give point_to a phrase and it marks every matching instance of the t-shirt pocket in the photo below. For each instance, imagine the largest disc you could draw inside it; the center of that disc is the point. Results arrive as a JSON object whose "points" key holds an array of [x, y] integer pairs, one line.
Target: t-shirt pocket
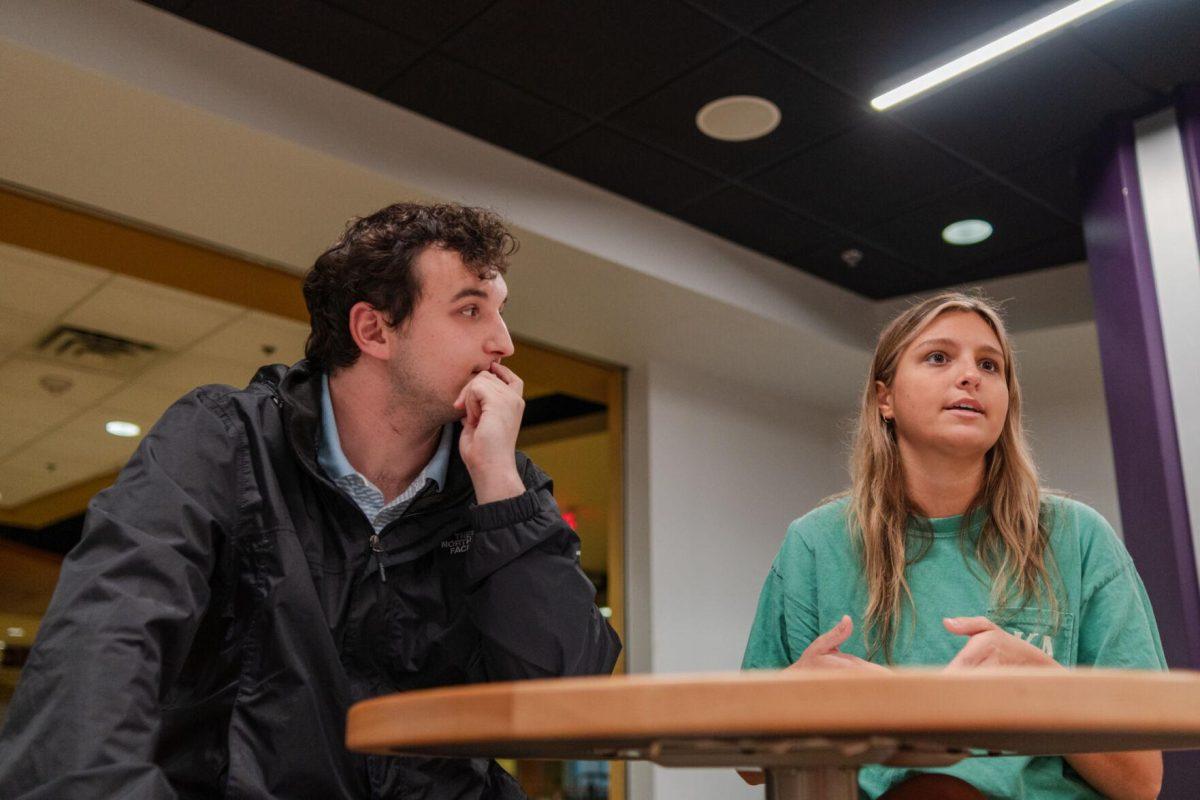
{"points": [[1052, 632]]}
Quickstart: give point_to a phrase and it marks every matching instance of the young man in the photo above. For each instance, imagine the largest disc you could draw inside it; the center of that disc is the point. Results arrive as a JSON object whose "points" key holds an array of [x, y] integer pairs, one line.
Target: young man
{"points": [[354, 525]]}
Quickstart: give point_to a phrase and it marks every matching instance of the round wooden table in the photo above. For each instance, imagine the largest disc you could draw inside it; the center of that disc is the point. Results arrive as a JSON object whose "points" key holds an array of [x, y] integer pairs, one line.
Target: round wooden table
{"points": [[810, 730]]}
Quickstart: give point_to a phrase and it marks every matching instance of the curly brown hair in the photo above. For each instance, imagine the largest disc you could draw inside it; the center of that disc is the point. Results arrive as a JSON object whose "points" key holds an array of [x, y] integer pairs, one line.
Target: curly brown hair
{"points": [[372, 262]]}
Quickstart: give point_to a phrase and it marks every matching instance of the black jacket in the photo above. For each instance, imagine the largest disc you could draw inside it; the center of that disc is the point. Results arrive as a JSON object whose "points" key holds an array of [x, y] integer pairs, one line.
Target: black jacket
{"points": [[223, 610]]}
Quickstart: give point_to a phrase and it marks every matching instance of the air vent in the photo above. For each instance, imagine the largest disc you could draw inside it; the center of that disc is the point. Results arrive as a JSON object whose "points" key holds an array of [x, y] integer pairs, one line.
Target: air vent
{"points": [[78, 347]]}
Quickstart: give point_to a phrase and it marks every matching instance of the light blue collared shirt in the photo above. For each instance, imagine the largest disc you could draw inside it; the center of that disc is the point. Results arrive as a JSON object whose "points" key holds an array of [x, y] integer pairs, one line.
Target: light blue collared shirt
{"points": [[362, 491]]}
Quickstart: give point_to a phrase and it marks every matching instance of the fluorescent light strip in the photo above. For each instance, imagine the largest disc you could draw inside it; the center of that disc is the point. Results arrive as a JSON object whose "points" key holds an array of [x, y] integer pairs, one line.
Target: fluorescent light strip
{"points": [[987, 52]]}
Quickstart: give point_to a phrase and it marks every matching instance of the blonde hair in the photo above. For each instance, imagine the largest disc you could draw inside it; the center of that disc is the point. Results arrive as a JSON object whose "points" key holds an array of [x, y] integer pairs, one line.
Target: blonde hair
{"points": [[1013, 541]]}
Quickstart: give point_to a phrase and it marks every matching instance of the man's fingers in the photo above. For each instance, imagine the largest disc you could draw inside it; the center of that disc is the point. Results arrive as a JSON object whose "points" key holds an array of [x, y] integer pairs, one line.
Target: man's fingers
{"points": [[460, 401], [508, 376], [473, 404], [969, 626]]}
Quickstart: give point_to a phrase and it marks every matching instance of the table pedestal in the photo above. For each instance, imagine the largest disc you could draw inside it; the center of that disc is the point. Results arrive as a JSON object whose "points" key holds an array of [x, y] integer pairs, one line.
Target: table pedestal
{"points": [[813, 783]]}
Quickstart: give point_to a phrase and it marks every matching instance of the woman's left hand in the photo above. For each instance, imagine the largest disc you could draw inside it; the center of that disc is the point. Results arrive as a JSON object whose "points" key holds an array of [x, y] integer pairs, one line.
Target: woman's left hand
{"points": [[989, 646]]}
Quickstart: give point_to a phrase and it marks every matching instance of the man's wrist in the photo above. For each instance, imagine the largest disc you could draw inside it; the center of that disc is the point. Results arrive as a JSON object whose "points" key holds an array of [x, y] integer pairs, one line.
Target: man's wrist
{"points": [[496, 484]]}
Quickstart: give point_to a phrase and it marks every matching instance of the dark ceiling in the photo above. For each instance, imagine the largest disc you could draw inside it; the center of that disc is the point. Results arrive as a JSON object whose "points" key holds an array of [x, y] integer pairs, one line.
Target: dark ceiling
{"points": [[608, 90]]}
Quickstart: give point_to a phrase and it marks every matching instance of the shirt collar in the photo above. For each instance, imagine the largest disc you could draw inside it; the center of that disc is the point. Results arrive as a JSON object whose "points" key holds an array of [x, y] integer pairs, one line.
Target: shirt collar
{"points": [[336, 465]]}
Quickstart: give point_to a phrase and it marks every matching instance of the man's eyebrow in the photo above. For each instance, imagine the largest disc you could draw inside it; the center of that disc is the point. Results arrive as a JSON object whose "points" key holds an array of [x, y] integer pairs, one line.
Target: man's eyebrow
{"points": [[470, 292]]}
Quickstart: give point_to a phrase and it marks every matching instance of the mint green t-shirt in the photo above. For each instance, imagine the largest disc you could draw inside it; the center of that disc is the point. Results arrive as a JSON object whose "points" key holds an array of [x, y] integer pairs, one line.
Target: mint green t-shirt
{"points": [[1104, 618]]}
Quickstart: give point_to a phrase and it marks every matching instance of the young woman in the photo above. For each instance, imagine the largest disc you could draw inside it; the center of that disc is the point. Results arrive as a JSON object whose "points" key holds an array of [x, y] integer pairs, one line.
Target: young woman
{"points": [[946, 552]]}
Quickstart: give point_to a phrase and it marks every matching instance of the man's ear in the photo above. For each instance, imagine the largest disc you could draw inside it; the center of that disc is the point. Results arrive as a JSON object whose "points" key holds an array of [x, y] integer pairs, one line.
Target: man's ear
{"points": [[369, 328], [883, 399]]}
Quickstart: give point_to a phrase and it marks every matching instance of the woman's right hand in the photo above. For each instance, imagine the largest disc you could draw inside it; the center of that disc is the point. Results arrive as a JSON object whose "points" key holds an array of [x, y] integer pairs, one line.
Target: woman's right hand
{"points": [[823, 652]]}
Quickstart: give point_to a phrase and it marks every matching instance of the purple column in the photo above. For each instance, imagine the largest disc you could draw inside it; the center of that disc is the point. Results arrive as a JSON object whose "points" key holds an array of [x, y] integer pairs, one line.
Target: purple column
{"points": [[1188, 105], [1150, 485]]}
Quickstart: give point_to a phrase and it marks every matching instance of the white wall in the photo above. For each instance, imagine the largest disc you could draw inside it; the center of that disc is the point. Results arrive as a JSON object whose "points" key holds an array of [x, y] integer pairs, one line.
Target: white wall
{"points": [[729, 468], [1066, 416]]}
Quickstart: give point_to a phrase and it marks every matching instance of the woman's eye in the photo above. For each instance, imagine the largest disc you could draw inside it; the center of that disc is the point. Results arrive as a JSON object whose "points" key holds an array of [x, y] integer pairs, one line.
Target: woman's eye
{"points": [[936, 358], [989, 365]]}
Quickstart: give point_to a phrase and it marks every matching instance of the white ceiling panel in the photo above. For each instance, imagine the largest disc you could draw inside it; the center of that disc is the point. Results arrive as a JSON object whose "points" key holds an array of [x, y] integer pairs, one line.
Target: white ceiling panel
{"points": [[148, 312], [48, 470], [256, 339], [44, 382], [185, 372], [142, 399], [25, 417], [17, 487], [82, 444], [19, 331], [42, 287]]}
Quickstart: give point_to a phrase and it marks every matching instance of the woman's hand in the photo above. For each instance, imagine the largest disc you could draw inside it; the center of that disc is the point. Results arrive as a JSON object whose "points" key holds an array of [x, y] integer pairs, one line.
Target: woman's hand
{"points": [[989, 646], [1122, 776], [823, 652]]}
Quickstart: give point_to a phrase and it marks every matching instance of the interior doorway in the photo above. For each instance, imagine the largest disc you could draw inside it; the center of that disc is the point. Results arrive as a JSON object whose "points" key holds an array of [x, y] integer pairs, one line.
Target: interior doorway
{"points": [[103, 322]]}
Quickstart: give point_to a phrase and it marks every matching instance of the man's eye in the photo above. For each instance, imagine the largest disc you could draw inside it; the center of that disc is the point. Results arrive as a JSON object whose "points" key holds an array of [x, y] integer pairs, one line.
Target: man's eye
{"points": [[470, 311]]}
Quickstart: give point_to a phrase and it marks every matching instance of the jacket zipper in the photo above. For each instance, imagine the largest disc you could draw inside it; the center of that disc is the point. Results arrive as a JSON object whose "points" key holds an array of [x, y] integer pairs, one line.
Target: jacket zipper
{"points": [[376, 545], [377, 549]]}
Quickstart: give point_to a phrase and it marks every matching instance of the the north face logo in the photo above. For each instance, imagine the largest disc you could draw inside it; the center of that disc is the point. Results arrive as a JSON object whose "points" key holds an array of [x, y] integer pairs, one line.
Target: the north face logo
{"points": [[458, 544]]}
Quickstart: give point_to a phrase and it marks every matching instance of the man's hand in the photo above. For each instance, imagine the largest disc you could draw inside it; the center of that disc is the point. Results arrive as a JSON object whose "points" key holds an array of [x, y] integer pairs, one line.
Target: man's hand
{"points": [[989, 646], [492, 407], [823, 652]]}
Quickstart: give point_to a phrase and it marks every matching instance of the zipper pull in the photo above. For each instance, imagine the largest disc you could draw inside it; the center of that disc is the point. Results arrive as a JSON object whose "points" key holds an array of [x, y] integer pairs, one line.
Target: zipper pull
{"points": [[377, 548]]}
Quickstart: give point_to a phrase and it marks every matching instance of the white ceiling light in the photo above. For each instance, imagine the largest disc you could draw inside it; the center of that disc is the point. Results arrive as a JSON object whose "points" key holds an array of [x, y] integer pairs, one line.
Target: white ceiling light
{"points": [[119, 427], [967, 231], [992, 50], [738, 118]]}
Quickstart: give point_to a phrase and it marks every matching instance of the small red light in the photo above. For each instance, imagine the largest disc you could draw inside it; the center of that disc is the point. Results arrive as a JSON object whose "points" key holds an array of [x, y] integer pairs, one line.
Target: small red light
{"points": [[569, 518]]}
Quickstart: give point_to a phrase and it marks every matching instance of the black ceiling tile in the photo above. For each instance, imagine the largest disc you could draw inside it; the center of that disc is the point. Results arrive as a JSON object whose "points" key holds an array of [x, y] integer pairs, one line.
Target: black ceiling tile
{"points": [[589, 55], [809, 110], [865, 175], [877, 275], [620, 164], [746, 218], [482, 106], [1054, 93], [746, 14], [418, 19], [1066, 248], [1054, 179], [1155, 42], [865, 45], [312, 34], [1017, 224]]}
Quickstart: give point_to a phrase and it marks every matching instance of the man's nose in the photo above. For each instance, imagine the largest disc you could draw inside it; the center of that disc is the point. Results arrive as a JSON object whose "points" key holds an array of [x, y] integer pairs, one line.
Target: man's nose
{"points": [[500, 343]]}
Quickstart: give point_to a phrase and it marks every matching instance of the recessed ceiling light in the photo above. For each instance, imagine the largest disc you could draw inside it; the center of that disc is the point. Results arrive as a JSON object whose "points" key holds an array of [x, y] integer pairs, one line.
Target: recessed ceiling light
{"points": [[119, 427], [988, 52], [967, 231], [738, 118], [16, 633]]}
